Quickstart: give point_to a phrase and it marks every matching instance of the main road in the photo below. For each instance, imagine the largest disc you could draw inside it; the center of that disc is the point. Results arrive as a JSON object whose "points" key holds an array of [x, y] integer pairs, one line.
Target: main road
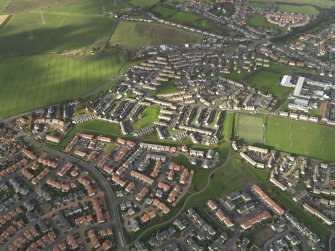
{"points": [[103, 182]]}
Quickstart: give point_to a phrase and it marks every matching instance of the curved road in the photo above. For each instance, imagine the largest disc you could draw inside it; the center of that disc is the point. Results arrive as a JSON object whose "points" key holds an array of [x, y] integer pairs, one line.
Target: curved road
{"points": [[103, 182], [185, 202]]}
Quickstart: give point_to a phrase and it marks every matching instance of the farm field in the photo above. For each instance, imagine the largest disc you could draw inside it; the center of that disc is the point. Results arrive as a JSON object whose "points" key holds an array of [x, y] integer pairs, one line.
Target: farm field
{"points": [[167, 11], [97, 7], [301, 137], [250, 128], [148, 117], [34, 81], [3, 5], [32, 32], [134, 35]]}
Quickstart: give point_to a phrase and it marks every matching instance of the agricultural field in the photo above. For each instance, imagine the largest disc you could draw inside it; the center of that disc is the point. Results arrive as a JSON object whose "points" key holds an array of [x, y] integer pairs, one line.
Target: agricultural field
{"points": [[36, 32], [249, 128], [299, 137], [167, 11], [34, 81], [148, 117], [3, 5], [134, 35]]}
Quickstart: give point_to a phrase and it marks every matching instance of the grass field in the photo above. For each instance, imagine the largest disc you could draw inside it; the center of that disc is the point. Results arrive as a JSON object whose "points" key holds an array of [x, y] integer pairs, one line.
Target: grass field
{"points": [[318, 3], [96, 7], [27, 33], [168, 88], [148, 117], [259, 20], [249, 128], [304, 9], [4, 4], [33, 81], [134, 35], [304, 138], [269, 81], [300, 137], [167, 11]]}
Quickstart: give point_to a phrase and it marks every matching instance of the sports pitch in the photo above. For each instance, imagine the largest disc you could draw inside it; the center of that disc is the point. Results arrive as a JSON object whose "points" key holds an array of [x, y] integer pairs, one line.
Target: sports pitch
{"points": [[249, 128], [304, 138], [301, 137]]}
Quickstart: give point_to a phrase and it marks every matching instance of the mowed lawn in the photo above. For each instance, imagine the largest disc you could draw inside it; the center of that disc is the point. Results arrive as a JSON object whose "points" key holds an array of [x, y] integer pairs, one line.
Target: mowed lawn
{"points": [[249, 128], [148, 117], [32, 32], [35, 81], [318, 3], [299, 137], [269, 81], [134, 35]]}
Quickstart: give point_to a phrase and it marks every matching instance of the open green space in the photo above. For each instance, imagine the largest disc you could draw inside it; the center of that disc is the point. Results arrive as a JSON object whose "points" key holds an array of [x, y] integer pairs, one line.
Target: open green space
{"points": [[30, 33], [148, 117], [168, 11], [299, 137], [317, 3], [134, 35], [269, 81], [3, 5], [259, 20], [303, 9], [167, 88], [96, 7], [249, 128], [31, 82]]}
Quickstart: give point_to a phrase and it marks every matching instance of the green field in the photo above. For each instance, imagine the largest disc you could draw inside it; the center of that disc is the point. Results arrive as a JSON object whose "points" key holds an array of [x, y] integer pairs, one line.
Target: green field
{"points": [[167, 88], [134, 35], [4, 4], [33, 81], [249, 128], [301, 137], [167, 11], [26, 33], [269, 81], [95, 7], [304, 9], [317, 3], [148, 117], [259, 20]]}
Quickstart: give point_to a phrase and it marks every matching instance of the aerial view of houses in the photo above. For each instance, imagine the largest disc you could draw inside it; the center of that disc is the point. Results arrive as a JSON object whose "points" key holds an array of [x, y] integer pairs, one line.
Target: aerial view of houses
{"points": [[167, 125]]}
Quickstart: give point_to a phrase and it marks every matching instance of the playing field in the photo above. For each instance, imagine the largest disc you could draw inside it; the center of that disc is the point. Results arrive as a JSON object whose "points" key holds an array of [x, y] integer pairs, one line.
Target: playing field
{"points": [[34, 81], [249, 128], [318, 3], [259, 20], [304, 9], [35, 32], [134, 35], [301, 137], [304, 138]]}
